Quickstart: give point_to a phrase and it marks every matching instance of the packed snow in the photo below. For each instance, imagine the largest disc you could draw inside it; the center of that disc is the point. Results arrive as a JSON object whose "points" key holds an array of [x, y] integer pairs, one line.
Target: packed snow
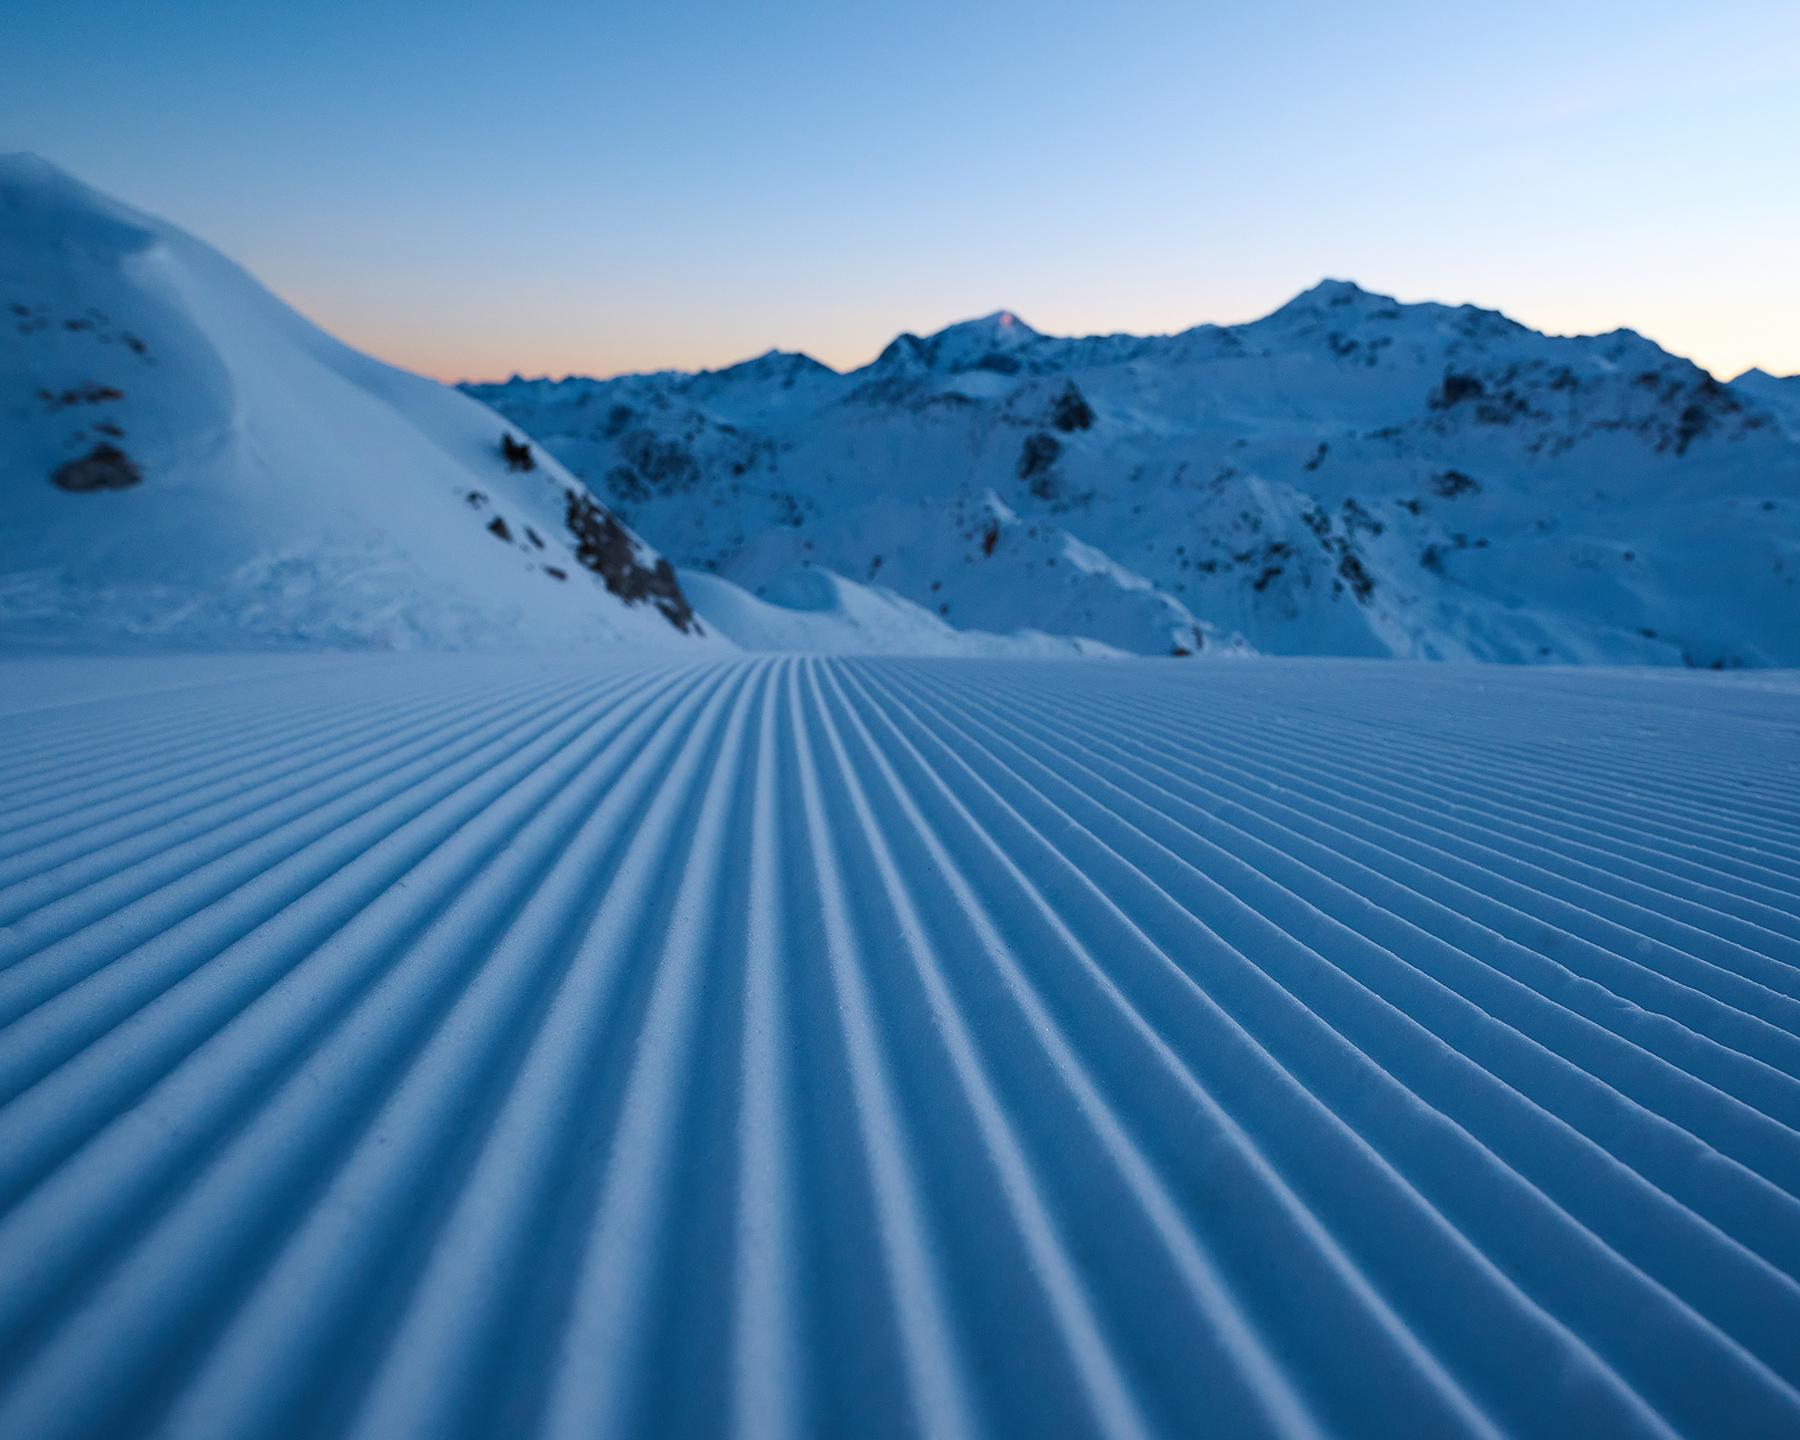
{"points": [[463, 1045]]}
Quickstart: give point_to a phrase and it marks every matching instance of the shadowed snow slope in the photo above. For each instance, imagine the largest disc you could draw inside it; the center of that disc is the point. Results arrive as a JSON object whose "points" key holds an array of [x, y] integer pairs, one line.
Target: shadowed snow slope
{"points": [[187, 461], [467, 1046]]}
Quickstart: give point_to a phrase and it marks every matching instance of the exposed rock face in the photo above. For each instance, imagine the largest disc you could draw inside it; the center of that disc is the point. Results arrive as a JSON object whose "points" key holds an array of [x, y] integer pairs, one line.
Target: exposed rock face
{"points": [[607, 548], [651, 466], [1036, 457], [1070, 411], [105, 467]]}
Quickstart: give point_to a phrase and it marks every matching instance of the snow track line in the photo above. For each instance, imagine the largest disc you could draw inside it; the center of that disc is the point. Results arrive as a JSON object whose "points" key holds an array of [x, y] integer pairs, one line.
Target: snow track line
{"points": [[478, 1091], [1628, 794], [1300, 717], [200, 1216], [52, 773], [1700, 881], [207, 967], [1445, 851], [267, 875], [154, 830], [1782, 1221], [1260, 1016], [1339, 758], [565, 1046], [1171, 1009], [1480, 964], [1589, 709], [1256, 802]]}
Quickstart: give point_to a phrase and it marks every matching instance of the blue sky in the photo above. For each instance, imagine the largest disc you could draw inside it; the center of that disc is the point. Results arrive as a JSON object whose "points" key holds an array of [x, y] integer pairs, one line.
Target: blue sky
{"points": [[473, 190]]}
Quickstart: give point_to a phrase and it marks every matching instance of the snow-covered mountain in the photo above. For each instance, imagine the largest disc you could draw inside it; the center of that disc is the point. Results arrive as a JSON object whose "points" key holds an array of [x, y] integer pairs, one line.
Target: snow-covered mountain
{"points": [[1778, 393], [188, 461], [1349, 476]]}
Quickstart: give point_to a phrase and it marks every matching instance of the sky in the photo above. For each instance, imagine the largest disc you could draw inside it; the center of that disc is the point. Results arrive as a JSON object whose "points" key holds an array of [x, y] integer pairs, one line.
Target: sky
{"points": [[477, 190]]}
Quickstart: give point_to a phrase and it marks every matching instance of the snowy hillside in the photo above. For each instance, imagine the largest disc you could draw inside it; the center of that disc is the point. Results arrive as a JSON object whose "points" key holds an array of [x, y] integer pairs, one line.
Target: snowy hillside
{"points": [[1346, 476], [467, 1046], [814, 611], [187, 461], [1778, 393]]}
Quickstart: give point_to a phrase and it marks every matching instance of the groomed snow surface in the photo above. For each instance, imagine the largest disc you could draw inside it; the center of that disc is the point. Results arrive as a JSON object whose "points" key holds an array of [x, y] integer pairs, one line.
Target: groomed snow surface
{"points": [[455, 1046]]}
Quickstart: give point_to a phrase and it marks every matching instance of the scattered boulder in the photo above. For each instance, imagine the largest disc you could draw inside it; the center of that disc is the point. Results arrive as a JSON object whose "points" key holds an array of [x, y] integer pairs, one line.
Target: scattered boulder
{"points": [[1361, 583], [517, 454], [105, 467], [1455, 389], [88, 394], [1070, 411], [1180, 651]]}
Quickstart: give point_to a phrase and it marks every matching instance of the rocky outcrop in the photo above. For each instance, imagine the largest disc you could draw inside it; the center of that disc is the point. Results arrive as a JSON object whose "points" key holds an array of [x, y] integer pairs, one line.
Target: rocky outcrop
{"points": [[105, 467], [610, 551]]}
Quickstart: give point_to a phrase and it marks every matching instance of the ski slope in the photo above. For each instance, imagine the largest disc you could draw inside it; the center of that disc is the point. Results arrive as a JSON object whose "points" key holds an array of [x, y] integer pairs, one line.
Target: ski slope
{"points": [[445, 1045]]}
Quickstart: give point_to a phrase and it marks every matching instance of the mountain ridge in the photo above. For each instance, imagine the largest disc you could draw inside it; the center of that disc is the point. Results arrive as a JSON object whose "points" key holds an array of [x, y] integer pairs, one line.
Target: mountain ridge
{"points": [[1347, 475], [1325, 291]]}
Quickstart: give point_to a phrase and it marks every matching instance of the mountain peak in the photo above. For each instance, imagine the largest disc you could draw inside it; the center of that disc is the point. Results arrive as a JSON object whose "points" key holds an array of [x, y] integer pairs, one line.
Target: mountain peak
{"points": [[984, 342], [1333, 292], [1329, 295], [45, 203], [774, 362], [1002, 327]]}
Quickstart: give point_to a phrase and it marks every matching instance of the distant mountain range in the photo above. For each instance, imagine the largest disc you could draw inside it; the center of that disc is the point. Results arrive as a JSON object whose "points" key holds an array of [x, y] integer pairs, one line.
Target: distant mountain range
{"points": [[189, 462], [1348, 476]]}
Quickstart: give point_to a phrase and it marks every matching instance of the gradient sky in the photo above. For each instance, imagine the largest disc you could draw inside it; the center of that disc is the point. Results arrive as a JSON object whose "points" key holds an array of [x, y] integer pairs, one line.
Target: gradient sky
{"points": [[472, 190]]}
